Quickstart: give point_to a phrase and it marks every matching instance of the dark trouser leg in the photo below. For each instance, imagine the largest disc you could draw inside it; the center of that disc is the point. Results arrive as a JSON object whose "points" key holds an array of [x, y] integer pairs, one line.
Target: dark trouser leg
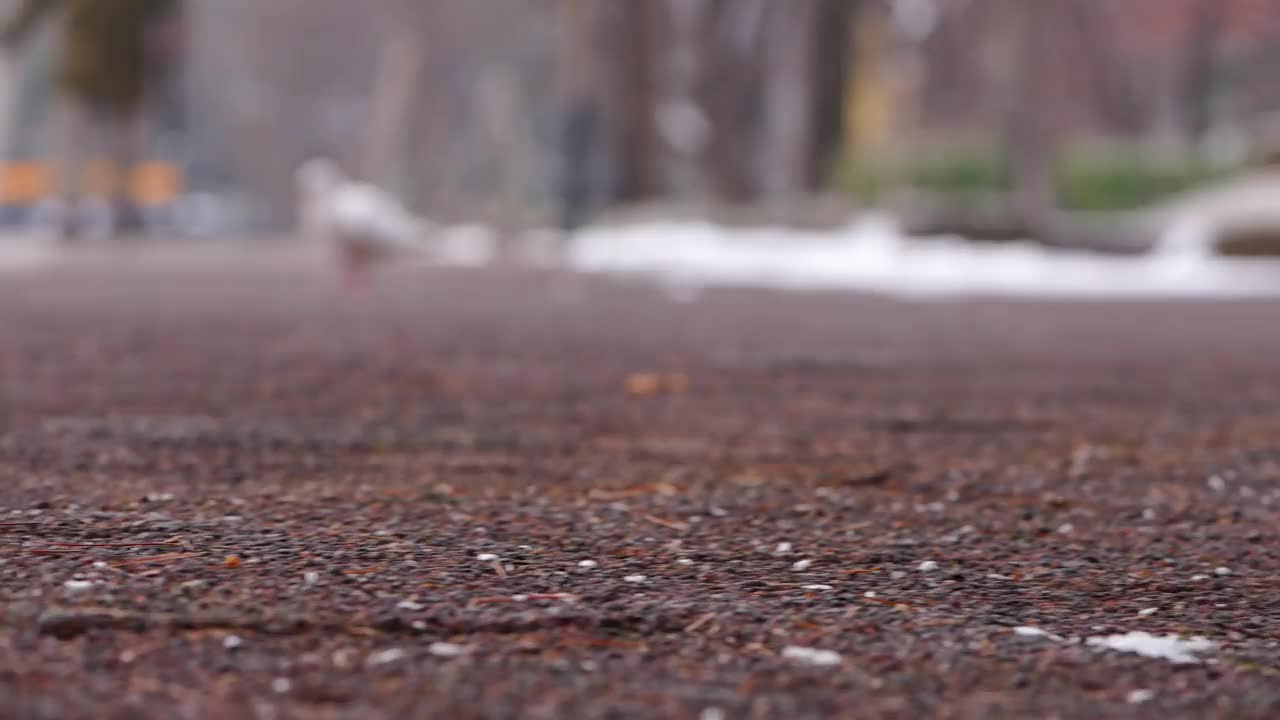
{"points": [[125, 127], [73, 138]]}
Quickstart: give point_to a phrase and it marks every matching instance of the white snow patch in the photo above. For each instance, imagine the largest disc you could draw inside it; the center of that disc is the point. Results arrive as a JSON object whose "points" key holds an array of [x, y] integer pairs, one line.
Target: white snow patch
{"points": [[812, 656], [872, 255], [1173, 648]]}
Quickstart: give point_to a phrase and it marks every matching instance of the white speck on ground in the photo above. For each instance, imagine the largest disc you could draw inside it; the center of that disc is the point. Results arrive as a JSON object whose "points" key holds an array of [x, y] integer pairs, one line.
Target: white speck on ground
{"points": [[635, 578], [1173, 648], [384, 657], [783, 548], [486, 557], [1137, 697], [1222, 571], [409, 605], [1028, 631], [812, 656], [712, 713], [801, 565], [1199, 577], [78, 586], [231, 642], [311, 577], [588, 564], [927, 566], [684, 561], [446, 650], [281, 685], [1148, 611], [1216, 483]]}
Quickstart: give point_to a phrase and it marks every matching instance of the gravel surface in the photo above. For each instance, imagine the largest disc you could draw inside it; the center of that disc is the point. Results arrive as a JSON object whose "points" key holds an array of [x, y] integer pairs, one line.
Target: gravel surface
{"points": [[234, 492]]}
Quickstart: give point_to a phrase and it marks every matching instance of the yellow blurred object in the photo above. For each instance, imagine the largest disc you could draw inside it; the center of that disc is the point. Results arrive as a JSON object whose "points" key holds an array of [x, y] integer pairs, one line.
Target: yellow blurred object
{"points": [[153, 183], [645, 384]]}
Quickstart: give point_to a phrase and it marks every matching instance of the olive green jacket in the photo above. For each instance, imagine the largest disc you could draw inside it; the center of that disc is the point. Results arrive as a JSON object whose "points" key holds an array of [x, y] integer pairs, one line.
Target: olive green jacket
{"points": [[105, 56]]}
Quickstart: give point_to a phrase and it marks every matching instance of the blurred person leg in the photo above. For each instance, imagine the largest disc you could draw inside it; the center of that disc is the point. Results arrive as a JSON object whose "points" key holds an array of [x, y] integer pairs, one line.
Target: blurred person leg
{"points": [[73, 139], [125, 135]]}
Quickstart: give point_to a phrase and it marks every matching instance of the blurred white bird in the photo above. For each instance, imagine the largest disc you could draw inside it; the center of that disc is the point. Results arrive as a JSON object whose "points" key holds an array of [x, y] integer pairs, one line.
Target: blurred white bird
{"points": [[362, 222]]}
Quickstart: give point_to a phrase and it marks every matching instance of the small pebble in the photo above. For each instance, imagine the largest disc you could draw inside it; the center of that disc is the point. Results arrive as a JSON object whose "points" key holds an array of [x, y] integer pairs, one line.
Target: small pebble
{"points": [[712, 713], [384, 657], [635, 578], [812, 656], [818, 587], [927, 566], [1137, 697], [100, 565], [1222, 571], [446, 650], [1148, 611], [897, 574], [409, 605], [486, 557], [1216, 483], [1199, 577], [869, 594], [801, 565], [588, 564], [78, 586], [783, 548], [231, 562], [231, 642], [311, 577], [281, 685], [684, 561]]}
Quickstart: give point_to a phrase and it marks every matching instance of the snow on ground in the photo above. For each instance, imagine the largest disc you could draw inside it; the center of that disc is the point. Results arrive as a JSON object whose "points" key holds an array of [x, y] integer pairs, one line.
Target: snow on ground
{"points": [[872, 256]]}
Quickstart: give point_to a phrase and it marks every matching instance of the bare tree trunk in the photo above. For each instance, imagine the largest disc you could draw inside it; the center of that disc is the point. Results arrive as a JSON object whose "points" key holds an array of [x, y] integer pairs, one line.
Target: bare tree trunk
{"points": [[730, 88], [829, 75], [1032, 128], [394, 101], [637, 137], [580, 111], [1200, 63], [1116, 90], [789, 96]]}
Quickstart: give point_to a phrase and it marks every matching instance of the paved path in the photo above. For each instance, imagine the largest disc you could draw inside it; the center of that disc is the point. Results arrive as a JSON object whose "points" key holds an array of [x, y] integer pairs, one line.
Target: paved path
{"points": [[231, 491]]}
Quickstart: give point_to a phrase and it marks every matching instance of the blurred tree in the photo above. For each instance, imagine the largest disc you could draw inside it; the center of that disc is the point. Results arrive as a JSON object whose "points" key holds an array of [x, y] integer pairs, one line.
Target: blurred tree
{"points": [[396, 86], [636, 25], [1032, 130], [580, 110]]}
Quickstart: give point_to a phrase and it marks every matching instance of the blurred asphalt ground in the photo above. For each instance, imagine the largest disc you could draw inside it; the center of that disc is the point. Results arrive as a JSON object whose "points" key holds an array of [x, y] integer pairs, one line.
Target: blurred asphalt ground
{"points": [[230, 490]]}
